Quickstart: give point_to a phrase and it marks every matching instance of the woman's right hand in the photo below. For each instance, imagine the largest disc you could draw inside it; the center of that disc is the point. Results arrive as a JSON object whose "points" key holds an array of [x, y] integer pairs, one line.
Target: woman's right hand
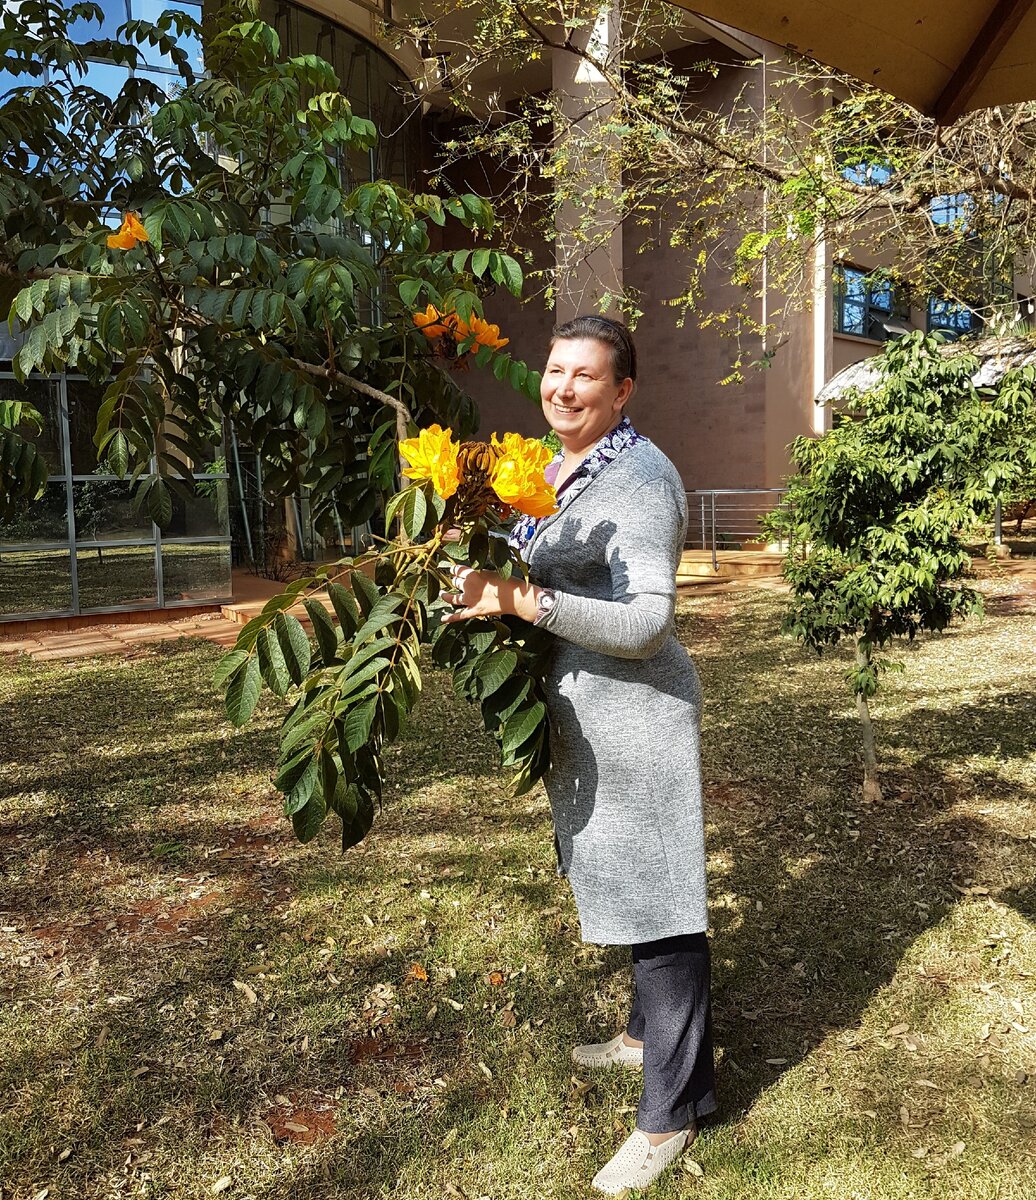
{"points": [[452, 535]]}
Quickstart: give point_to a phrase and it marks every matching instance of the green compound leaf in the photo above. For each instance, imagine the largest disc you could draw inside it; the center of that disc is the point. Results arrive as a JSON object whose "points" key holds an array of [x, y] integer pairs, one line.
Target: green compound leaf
{"points": [[324, 629], [364, 590], [294, 645], [271, 662], [357, 828], [307, 821], [494, 671], [346, 609], [227, 666], [243, 692], [520, 725], [358, 723]]}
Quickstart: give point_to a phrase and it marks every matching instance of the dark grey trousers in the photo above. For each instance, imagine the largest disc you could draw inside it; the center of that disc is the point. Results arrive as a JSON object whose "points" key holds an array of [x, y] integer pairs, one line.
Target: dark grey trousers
{"points": [[672, 1016]]}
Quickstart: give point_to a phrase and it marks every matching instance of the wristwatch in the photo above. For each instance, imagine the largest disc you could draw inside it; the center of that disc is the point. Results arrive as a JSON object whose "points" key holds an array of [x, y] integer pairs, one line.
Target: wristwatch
{"points": [[546, 598]]}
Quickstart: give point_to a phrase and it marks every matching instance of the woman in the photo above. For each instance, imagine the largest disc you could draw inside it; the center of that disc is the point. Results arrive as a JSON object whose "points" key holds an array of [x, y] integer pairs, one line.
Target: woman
{"points": [[624, 703]]}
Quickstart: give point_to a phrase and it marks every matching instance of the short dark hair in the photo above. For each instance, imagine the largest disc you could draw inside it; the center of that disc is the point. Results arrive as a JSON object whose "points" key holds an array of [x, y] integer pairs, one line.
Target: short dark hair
{"points": [[614, 334]]}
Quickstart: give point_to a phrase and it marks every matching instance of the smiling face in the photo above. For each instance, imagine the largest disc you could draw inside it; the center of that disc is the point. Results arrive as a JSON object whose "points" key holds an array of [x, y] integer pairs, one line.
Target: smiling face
{"points": [[582, 400]]}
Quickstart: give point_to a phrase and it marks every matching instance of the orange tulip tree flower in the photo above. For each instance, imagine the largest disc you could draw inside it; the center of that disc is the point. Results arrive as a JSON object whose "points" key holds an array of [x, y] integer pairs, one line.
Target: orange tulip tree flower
{"points": [[433, 455], [517, 476], [433, 323], [485, 334], [130, 232]]}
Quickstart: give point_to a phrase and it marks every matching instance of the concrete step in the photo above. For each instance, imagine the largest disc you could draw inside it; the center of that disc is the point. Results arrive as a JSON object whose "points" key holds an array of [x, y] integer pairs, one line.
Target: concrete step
{"points": [[730, 564]]}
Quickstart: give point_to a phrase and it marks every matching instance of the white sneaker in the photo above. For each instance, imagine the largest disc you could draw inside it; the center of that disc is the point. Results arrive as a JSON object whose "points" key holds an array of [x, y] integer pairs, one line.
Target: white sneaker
{"points": [[637, 1163], [609, 1054]]}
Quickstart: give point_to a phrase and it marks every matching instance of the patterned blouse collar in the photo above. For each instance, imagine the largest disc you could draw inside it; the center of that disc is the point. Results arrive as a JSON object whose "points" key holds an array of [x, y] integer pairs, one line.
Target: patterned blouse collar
{"points": [[623, 437]]}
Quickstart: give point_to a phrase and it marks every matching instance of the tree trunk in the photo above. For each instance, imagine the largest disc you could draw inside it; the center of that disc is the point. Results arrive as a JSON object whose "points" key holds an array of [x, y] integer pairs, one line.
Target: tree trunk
{"points": [[871, 787]]}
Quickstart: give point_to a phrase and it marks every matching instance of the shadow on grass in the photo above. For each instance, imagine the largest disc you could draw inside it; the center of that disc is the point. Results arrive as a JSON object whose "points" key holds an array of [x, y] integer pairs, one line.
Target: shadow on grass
{"points": [[844, 890]]}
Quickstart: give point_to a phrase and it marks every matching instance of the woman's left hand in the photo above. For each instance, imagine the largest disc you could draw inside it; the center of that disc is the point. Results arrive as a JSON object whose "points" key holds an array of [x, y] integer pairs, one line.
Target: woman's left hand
{"points": [[486, 594]]}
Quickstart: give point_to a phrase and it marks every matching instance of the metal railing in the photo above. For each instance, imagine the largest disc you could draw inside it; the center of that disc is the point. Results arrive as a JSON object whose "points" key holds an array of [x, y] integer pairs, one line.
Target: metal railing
{"points": [[727, 518]]}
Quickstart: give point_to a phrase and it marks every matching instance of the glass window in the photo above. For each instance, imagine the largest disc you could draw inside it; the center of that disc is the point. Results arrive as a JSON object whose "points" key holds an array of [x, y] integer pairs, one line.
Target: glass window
{"points": [[37, 581], [867, 174], [151, 10], [114, 14], [169, 84], [951, 318], [84, 399], [110, 576], [43, 520], [351, 66], [196, 572], [204, 515], [44, 396], [953, 209], [864, 303], [107, 78], [104, 511]]}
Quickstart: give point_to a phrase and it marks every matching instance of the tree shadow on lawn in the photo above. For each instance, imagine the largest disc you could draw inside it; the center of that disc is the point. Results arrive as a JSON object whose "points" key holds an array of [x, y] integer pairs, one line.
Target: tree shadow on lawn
{"points": [[845, 889]]}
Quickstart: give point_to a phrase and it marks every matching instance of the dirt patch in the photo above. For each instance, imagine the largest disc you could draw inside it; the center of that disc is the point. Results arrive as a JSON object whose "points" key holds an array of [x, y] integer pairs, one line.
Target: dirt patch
{"points": [[301, 1118], [155, 920]]}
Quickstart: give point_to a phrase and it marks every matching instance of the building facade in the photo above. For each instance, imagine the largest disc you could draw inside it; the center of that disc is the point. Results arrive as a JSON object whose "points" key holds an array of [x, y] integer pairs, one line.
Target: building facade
{"points": [[84, 549]]}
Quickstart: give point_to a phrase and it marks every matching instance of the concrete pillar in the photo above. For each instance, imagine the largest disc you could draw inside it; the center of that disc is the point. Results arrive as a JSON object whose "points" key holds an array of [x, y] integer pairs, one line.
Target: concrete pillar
{"points": [[588, 244], [823, 329]]}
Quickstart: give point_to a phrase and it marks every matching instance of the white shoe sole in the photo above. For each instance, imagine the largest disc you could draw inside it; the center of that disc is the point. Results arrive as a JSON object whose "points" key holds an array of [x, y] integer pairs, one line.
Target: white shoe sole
{"points": [[637, 1163], [601, 1055]]}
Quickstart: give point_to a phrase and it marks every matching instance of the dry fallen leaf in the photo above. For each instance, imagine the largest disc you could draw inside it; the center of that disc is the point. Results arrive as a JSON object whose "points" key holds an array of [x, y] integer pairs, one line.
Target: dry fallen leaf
{"points": [[776, 1062], [295, 1127], [693, 1168], [450, 1138], [495, 978], [897, 1030], [507, 1018], [484, 1069], [221, 1185], [417, 973], [454, 1004], [246, 991]]}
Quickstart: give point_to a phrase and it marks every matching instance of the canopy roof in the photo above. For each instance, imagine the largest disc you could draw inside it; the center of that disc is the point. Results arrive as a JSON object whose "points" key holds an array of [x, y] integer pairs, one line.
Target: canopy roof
{"points": [[996, 356], [945, 57]]}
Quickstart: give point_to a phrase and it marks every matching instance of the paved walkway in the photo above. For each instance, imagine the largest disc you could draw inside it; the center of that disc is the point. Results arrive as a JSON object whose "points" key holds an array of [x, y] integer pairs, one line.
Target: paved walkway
{"points": [[1010, 587], [119, 639]]}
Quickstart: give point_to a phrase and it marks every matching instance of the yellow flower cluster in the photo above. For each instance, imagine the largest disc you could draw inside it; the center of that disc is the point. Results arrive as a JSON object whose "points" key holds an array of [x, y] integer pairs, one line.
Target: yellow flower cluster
{"points": [[515, 468], [434, 324], [433, 455], [130, 232], [518, 475]]}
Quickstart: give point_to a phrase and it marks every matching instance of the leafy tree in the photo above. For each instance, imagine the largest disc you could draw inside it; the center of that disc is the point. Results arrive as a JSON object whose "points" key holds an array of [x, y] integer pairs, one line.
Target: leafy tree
{"points": [[748, 189], [876, 519], [248, 285], [370, 616]]}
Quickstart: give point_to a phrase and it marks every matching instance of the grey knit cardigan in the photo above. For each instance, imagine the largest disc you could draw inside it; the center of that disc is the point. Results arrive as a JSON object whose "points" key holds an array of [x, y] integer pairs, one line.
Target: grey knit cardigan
{"points": [[624, 702]]}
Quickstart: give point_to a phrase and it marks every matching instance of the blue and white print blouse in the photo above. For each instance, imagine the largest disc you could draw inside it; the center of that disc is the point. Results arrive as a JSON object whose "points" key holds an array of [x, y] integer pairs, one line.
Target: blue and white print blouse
{"points": [[622, 437]]}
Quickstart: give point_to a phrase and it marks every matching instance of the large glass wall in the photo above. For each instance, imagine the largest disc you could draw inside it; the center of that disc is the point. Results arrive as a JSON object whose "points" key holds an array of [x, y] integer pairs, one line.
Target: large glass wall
{"points": [[84, 547], [373, 84]]}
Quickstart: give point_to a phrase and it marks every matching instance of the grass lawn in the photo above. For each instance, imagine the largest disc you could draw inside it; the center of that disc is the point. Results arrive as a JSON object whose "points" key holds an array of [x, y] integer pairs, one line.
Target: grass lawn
{"points": [[191, 1004]]}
